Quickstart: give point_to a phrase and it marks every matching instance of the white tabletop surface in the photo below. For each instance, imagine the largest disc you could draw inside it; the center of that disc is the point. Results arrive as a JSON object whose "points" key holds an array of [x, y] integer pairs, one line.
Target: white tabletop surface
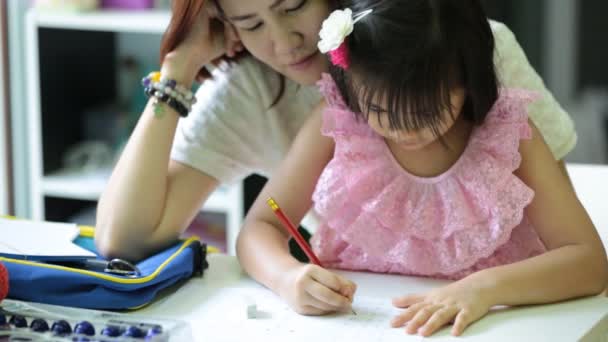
{"points": [[215, 306], [591, 185]]}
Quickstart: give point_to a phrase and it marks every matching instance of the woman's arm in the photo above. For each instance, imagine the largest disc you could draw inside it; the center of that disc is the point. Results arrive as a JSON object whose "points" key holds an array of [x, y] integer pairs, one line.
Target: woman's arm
{"points": [[262, 244], [149, 199], [575, 264]]}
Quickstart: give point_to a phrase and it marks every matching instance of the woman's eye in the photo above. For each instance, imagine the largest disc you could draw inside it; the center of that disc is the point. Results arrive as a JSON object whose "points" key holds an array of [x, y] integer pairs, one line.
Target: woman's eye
{"points": [[293, 9], [253, 28]]}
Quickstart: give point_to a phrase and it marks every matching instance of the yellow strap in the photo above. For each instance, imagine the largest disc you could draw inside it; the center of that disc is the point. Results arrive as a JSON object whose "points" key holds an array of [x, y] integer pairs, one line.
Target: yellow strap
{"points": [[87, 231], [212, 250]]}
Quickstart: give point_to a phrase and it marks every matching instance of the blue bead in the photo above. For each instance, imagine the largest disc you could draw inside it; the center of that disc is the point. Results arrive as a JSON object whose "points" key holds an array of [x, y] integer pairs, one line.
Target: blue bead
{"points": [[146, 82], [156, 330], [135, 332], [84, 328], [2, 319], [39, 325], [81, 339], [171, 84], [111, 330], [18, 321], [61, 327]]}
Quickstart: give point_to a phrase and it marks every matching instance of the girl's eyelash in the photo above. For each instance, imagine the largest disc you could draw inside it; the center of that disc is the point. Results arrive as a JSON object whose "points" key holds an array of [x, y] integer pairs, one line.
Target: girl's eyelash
{"points": [[377, 109], [300, 5], [289, 10]]}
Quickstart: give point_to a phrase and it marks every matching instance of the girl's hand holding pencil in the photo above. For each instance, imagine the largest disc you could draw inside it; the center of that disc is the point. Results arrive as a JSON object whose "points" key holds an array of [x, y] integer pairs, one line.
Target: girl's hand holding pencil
{"points": [[310, 289]]}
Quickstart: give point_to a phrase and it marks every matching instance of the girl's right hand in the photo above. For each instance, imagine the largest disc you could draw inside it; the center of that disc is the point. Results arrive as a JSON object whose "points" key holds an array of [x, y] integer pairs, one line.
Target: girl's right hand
{"points": [[209, 38], [312, 290]]}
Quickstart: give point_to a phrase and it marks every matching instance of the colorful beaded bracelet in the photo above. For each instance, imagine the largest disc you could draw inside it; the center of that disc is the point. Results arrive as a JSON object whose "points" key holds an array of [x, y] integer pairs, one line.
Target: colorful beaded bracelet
{"points": [[170, 101], [169, 92]]}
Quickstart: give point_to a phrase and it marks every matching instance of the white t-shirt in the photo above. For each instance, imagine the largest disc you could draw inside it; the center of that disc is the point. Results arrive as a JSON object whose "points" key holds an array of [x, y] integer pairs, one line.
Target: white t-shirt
{"points": [[233, 131]]}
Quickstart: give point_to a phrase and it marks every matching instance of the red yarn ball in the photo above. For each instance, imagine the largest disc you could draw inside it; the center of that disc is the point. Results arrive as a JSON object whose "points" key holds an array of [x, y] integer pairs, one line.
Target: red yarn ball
{"points": [[3, 282]]}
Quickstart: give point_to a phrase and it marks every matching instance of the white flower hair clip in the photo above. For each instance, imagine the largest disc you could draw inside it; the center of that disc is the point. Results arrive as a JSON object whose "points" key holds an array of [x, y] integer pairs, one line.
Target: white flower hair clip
{"points": [[334, 31]]}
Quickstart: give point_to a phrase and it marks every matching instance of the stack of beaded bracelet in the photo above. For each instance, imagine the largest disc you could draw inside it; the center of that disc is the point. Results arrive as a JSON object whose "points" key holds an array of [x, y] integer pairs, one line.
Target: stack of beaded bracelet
{"points": [[168, 91]]}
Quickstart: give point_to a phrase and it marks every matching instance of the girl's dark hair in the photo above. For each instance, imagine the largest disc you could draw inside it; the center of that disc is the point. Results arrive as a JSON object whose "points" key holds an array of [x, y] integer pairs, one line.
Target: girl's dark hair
{"points": [[411, 53]]}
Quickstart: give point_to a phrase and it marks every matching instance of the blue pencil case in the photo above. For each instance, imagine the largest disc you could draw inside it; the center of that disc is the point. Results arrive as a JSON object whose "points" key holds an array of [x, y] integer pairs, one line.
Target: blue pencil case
{"points": [[77, 285]]}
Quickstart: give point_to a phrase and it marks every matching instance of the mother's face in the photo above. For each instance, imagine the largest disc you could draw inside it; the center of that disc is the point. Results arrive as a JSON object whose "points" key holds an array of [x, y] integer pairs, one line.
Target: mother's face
{"points": [[282, 33]]}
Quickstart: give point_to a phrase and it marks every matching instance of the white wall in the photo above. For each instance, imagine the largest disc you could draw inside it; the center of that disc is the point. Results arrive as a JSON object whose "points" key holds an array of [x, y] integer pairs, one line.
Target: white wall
{"points": [[589, 107], [4, 184], [560, 47], [16, 30]]}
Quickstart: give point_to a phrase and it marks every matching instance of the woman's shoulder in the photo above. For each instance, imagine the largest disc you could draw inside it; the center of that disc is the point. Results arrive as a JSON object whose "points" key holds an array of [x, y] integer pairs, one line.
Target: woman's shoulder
{"points": [[515, 71], [507, 48], [499, 28], [503, 36]]}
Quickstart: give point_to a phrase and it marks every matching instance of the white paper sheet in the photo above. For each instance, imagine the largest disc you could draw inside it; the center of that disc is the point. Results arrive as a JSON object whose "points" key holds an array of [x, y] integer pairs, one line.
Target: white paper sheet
{"points": [[40, 240], [275, 321]]}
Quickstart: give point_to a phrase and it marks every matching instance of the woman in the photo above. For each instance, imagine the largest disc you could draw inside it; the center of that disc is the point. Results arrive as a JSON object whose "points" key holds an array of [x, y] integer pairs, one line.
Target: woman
{"points": [[246, 115]]}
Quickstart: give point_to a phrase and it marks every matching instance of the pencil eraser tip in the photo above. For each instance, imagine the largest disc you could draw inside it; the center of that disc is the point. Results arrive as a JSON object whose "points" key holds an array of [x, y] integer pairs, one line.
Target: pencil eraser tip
{"points": [[252, 311]]}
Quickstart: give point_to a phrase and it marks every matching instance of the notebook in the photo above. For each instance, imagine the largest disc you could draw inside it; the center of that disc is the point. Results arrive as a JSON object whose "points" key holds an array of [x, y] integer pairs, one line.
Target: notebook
{"points": [[32, 240]]}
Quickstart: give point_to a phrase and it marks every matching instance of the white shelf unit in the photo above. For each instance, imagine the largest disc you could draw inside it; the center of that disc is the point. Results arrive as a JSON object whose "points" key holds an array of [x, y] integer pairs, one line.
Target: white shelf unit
{"points": [[5, 192], [89, 185], [150, 21]]}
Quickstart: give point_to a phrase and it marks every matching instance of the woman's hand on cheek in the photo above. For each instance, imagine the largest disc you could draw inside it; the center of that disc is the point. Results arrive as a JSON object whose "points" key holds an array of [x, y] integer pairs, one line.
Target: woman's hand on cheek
{"points": [[232, 41], [313, 290], [226, 37], [209, 38], [459, 302]]}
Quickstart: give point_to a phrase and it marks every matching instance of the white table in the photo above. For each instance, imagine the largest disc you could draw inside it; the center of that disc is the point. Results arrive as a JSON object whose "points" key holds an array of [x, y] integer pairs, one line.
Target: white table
{"points": [[591, 185], [215, 306], [216, 310]]}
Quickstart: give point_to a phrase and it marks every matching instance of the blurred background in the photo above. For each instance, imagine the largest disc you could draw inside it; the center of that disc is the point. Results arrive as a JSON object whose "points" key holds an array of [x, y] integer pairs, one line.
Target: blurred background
{"points": [[70, 94], [565, 41]]}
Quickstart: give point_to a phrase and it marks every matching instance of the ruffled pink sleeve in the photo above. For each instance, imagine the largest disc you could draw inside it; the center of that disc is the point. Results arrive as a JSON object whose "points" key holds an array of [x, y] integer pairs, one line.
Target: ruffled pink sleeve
{"points": [[505, 126], [512, 108], [338, 119]]}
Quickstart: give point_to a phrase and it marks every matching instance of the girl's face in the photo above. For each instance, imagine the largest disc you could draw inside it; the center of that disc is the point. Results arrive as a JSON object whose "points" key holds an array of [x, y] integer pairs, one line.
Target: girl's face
{"points": [[282, 33], [415, 140]]}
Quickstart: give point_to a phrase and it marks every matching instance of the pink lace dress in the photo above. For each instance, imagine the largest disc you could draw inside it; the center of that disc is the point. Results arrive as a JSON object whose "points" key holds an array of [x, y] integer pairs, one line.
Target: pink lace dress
{"points": [[375, 216]]}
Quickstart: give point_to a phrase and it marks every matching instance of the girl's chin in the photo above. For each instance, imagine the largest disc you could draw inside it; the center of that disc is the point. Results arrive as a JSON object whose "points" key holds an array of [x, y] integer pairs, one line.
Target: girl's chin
{"points": [[412, 146]]}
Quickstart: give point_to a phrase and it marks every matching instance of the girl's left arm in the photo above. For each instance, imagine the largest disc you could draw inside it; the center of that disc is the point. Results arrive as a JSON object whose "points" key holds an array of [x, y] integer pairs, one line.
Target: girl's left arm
{"points": [[575, 264]]}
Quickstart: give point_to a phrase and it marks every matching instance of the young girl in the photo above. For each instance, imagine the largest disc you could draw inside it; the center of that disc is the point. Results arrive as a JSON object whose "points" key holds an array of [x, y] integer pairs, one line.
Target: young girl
{"points": [[419, 164]]}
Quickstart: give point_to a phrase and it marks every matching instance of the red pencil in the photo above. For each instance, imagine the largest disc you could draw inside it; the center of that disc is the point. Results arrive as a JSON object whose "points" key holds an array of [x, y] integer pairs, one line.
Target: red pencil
{"points": [[296, 235], [293, 231]]}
